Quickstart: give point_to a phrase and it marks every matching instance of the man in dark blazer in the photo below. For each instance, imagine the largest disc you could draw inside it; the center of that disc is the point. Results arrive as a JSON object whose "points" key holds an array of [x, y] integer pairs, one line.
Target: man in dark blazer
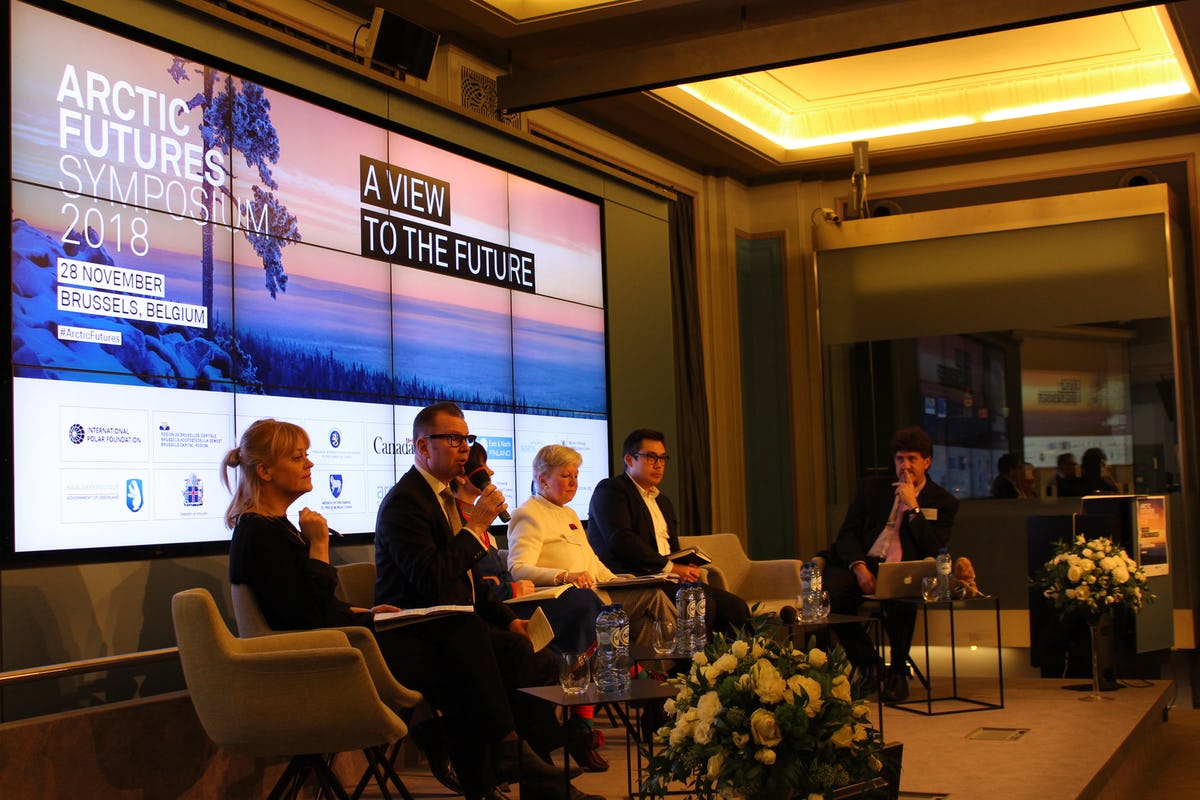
{"points": [[632, 536], [424, 554], [906, 519]]}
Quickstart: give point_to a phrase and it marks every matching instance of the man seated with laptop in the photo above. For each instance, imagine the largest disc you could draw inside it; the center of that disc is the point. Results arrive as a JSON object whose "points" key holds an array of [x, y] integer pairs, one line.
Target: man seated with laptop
{"points": [[908, 519]]}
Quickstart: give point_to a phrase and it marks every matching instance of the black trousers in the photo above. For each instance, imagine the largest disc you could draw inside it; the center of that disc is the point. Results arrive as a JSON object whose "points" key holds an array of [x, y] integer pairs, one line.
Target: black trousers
{"points": [[899, 618], [470, 671]]}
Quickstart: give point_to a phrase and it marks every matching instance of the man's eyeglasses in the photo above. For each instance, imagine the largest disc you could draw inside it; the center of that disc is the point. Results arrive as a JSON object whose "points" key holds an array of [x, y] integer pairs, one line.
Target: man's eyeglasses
{"points": [[654, 458], [453, 439]]}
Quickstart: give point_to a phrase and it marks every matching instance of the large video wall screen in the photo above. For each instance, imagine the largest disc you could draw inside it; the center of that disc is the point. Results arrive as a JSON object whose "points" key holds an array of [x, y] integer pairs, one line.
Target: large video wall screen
{"points": [[192, 251]]}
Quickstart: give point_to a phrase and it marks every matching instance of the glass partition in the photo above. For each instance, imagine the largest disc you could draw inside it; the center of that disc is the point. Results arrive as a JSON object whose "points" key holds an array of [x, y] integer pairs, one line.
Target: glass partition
{"points": [[1037, 327]]}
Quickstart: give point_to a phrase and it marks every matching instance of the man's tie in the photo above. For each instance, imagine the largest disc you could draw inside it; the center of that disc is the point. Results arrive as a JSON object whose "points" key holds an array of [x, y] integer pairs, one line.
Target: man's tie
{"points": [[450, 506]]}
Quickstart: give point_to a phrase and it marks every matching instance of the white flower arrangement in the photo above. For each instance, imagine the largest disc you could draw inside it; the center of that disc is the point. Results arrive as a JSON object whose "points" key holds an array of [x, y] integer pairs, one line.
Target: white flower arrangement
{"points": [[757, 718], [1093, 576]]}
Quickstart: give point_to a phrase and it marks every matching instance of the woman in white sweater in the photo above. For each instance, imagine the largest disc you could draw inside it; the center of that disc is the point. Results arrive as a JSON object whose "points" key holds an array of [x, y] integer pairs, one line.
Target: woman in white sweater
{"points": [[548, 545]]}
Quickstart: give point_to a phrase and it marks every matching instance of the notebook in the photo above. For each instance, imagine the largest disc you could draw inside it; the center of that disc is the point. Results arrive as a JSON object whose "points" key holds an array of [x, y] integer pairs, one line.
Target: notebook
{"points": [[902, 578]]}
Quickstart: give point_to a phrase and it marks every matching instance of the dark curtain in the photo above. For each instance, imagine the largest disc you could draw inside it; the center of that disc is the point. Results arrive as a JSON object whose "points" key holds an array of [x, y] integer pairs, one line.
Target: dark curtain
{"points": [[694, 505]]}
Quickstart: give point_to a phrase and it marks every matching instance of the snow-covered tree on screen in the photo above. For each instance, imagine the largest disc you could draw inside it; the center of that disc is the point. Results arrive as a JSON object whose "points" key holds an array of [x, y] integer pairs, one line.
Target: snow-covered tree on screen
{"points": [[237, 119]]}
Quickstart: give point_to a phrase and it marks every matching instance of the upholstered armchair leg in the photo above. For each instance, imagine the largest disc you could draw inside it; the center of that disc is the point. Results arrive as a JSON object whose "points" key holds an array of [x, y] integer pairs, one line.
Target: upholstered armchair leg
{"points": [[379, 767], [298, 769], [326, 778], [293, 776]]}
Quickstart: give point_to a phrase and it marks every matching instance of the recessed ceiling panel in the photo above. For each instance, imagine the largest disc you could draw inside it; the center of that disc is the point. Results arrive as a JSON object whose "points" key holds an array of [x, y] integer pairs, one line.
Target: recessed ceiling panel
{"points": [[1064, 73]]}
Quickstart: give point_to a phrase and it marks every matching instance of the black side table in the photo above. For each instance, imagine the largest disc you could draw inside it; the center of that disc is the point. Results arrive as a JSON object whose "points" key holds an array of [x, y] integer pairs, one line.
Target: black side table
{"points": [[628, 706], [950, 606]]}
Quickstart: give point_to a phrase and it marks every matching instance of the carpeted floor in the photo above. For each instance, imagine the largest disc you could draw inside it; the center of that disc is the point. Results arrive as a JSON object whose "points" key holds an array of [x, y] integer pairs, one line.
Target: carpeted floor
{"points": [[1067, 749]]}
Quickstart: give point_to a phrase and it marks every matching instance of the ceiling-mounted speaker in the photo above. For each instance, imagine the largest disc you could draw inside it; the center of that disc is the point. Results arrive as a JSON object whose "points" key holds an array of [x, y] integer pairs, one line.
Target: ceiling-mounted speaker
{"points": [[884, 208], [399, 44], [1139, 177]]}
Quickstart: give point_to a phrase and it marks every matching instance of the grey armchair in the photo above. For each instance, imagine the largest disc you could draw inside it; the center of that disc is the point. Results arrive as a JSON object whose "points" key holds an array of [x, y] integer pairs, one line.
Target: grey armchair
{"points": [[299, 694], [251, 623], [772, 583], [356, 583]]}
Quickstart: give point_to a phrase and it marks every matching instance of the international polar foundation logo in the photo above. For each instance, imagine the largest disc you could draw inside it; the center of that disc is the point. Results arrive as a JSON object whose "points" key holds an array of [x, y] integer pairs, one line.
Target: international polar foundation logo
{"points": [[76, 433]]}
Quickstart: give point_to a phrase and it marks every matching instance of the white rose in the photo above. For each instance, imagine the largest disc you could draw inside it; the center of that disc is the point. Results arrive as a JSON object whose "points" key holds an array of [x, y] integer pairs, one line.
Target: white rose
{"points": [[699, 659], [739, 649], [726, 663], [841, 688], [715, 762], [764, 728], [741, 739], [811, 690], [817, 657], [768, 683], [765, 755], [1074, 574], [708, 707], [843, 736]]}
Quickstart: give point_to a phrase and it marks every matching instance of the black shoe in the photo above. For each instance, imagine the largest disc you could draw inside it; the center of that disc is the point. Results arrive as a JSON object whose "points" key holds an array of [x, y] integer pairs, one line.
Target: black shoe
{"points": [[896, 688], [582, 742], [430, 739], [516, 760]]}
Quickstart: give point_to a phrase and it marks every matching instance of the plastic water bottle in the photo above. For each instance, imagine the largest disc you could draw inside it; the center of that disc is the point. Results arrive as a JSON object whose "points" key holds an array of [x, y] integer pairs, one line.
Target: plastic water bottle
{"points": [[805, 609], [683, 622], [612, 650], [808, 610], [943, 572], [697, 606]]}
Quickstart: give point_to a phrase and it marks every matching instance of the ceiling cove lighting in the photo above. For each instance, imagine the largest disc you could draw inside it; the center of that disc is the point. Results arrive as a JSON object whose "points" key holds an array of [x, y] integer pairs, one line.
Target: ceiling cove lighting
{"points": [[772, 126], [1172, 89], [791, 142]]}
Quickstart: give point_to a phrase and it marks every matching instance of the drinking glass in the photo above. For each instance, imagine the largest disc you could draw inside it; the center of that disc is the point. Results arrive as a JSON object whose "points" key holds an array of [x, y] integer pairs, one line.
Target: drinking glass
{"points": [[930, 589], [820, 605], [663, 636], [574, 673], [804, 606]]}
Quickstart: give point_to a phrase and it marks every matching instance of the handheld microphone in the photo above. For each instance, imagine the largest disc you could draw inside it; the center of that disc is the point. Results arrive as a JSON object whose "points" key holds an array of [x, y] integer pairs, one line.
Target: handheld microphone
{"points": [[480, 480]]}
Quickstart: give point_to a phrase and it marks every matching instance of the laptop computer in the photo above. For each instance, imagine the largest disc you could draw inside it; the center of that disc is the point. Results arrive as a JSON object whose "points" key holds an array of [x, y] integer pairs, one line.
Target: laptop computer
{"points": [[902, 578]]}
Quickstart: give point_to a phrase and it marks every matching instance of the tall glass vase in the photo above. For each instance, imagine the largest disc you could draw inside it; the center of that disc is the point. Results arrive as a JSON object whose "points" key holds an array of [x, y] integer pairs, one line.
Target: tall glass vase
{"points": [[1094, 695]]}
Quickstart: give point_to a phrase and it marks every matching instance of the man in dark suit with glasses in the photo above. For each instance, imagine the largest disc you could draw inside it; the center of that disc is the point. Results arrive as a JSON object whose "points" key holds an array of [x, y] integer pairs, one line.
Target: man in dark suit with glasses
{"points": [[424, 556], [632, 527]]}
